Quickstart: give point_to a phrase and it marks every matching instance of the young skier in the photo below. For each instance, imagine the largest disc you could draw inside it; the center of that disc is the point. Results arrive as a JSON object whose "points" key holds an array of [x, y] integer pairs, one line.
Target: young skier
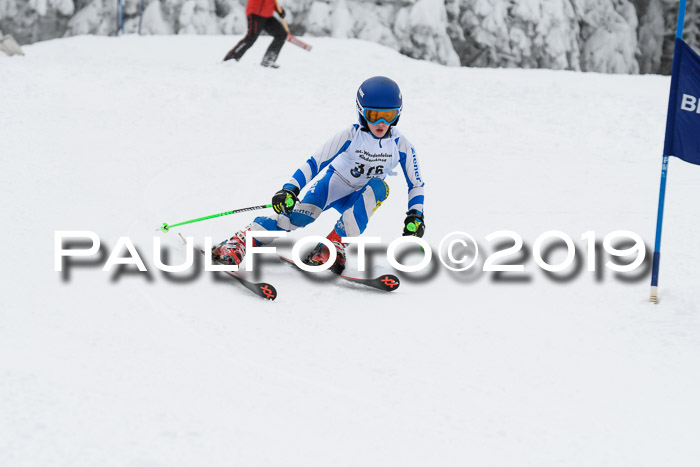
{"points": [[259, 13], [358, 158]]}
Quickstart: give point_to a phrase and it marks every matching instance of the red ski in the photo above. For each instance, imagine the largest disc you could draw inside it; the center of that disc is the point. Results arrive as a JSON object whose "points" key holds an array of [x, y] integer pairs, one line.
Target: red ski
{"points": [[261, 289], [386, 282], [298, 42]]}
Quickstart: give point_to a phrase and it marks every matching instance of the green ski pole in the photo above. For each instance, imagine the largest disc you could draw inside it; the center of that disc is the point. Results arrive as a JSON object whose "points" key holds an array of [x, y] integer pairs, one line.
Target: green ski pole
{"points": [[166, 227]]}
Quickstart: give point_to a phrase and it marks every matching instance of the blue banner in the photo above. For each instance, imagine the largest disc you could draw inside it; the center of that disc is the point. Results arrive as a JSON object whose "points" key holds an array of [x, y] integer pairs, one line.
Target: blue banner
{"points": [[683, 120]]}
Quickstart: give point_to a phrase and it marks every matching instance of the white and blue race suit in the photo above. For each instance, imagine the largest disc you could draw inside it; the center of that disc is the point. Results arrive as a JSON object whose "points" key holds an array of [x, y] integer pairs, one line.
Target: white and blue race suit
{"points": [[358, 162]]}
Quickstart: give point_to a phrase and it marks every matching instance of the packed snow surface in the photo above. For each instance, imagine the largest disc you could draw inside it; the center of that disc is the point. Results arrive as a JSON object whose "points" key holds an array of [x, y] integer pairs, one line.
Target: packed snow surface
{"points": [[118, 135]]}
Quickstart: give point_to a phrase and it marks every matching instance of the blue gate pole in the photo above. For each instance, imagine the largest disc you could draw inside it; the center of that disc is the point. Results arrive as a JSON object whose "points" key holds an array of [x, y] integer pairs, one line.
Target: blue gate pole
{"points": [[654, 295]]}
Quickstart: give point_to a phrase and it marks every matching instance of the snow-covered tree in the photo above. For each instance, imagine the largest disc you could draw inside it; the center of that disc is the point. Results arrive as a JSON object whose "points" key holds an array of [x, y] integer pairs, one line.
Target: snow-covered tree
{"points": [[692, 24], [611, 36], [650, 35], [608, 35]]}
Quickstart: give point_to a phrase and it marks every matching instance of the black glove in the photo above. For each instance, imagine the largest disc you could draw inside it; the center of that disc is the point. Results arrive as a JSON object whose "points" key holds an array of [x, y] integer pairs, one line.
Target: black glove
{"points": [[284, 200], [282, 12], [413, 224]]}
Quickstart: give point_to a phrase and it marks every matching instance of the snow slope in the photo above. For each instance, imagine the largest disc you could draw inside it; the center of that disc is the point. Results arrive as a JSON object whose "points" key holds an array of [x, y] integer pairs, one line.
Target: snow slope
{"points": [[117, 135]]}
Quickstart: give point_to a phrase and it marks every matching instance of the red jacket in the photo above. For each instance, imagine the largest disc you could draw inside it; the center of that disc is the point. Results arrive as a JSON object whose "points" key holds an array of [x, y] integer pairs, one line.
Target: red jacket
{"points": [[263, 8]]}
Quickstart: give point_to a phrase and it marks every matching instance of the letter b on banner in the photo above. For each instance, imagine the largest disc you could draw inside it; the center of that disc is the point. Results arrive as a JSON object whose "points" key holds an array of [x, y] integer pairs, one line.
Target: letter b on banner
{"points": [[689, 103]]}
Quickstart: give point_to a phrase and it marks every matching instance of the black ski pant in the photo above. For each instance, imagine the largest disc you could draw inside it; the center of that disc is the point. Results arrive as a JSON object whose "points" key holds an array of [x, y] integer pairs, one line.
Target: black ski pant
{"points": [[257, 24]]}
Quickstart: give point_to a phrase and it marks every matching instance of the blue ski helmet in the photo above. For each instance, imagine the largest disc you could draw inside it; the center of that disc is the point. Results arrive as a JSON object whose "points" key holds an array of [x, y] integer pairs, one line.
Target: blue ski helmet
{"points": [[379, 93]]}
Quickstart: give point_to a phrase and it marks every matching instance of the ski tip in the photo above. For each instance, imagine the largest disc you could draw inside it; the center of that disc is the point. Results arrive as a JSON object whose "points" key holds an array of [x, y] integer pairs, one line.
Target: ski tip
{"points": [[389, 282], [267, 291]]}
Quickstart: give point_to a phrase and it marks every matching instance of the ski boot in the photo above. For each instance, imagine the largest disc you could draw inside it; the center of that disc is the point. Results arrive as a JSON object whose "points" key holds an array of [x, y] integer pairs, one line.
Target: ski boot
{"points": [[320, 254], [231, 55], [231, 251], [269, 60]]}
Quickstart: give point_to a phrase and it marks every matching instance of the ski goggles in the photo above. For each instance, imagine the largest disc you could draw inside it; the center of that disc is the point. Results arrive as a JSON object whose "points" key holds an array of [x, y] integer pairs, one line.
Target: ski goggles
{"points": [[375, 116]]}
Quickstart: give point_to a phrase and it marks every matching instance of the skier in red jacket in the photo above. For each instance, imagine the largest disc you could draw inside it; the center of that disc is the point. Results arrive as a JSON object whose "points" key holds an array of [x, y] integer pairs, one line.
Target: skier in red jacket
{"points": [[259, 13]]}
